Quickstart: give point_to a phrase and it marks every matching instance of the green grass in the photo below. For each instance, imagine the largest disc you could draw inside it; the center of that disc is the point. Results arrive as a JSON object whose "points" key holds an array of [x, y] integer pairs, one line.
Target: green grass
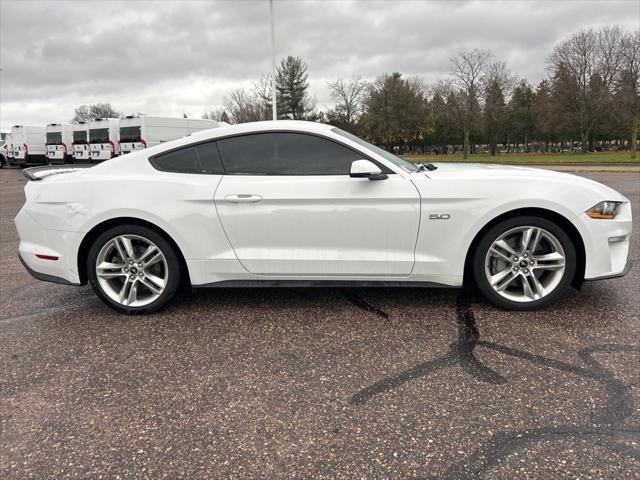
{"points": [[599, 158]]}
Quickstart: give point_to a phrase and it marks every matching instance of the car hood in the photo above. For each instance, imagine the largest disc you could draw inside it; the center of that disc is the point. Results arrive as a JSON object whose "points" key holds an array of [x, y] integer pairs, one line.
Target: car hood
{"points": [[494, 172]]}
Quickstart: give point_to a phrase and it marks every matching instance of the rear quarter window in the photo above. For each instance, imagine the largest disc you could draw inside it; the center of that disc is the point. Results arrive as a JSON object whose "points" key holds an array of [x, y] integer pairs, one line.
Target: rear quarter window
{"points": [[203, 159]]}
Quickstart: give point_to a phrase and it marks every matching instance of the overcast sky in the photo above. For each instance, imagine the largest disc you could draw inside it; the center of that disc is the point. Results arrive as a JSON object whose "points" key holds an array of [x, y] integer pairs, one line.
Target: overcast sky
{"points": [[173, 57]]}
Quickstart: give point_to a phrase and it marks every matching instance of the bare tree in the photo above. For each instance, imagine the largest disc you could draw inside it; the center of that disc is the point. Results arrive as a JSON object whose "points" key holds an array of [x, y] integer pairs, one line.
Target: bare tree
{"points": [[628, 90], [590, 60], [348, 97], [252, 105], [609, 54], [468, 71], [86, 113], [242, 106], [262, 93], [81, 114], [219, 115]]}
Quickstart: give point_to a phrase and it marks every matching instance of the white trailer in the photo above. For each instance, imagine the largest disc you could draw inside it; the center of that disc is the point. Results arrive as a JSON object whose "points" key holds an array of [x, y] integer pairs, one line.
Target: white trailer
{"points": [[104, 138], [143, 131], [28, 145], [81, 152], [59, 143]]}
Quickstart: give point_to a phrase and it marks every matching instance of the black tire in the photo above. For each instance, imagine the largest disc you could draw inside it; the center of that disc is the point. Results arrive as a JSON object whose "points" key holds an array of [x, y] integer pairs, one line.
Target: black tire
{"points": [[173, 265], [493, 233]]}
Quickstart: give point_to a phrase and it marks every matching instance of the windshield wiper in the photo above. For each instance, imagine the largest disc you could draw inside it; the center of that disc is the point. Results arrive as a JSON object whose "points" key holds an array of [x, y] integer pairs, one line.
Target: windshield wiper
{"points": [[426, 166]]}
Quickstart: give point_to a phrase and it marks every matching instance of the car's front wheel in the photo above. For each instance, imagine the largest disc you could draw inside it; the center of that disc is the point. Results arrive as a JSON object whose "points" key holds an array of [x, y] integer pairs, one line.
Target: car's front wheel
{"points": [[133, 269], [524, 263]]}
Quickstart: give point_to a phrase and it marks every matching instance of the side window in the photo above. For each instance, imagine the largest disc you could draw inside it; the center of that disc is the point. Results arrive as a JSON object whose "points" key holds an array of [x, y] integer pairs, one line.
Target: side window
{"points": [[210, 161], [202, 158], [285, 154], [184, 160]]}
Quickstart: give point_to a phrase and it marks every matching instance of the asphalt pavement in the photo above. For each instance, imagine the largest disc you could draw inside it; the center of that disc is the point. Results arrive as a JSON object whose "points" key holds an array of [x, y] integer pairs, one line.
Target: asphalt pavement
{"points": [[317, 383]]}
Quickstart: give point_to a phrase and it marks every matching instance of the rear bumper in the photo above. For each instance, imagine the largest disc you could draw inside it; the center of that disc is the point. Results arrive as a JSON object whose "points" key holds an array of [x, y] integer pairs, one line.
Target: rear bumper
{"points": [[37, 240], [44, 276]]}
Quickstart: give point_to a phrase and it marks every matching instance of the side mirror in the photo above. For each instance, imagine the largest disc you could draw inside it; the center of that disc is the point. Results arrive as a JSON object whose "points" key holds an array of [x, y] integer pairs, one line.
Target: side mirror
{"points": [[366, 169]]}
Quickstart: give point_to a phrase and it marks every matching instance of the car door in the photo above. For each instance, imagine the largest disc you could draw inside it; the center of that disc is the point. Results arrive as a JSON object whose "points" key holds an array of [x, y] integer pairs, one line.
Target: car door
{"points": [[290, 208]]}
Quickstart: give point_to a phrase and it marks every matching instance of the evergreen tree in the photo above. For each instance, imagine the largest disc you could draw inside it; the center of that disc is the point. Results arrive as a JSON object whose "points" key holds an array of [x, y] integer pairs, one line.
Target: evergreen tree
{"points": [[292, 89], [521, 112]]}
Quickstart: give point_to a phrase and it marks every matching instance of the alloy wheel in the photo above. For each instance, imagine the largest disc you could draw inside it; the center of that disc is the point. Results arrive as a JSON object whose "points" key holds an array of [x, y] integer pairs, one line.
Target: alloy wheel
{"points": [[132, 270], [525, 264]]}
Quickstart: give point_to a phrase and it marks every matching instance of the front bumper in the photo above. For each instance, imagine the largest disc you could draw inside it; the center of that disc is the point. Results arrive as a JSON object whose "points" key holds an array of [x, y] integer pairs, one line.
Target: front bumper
{"points": [[626, 270], [607, 244]]}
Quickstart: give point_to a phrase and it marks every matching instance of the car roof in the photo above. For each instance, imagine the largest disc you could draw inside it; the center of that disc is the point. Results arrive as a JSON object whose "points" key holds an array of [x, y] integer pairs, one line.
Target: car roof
{"points": [[268, 125]]}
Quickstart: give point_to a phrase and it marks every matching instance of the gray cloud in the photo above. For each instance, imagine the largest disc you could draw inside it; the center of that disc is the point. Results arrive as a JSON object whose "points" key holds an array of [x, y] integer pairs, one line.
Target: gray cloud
{"points": [[170, 57]]}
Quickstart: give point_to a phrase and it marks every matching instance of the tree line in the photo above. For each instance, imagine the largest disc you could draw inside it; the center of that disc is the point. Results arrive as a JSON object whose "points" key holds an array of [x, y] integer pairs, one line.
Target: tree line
{"points": [[589, 100]]}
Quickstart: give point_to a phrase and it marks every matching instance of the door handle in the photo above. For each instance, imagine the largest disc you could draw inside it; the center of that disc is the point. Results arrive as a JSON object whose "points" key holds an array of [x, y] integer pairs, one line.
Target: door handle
{"points": [[243, 198]]}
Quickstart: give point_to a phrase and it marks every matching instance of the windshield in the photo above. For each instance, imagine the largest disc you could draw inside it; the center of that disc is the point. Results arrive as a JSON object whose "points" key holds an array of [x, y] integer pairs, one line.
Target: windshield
{"points": [[403, 164], [54, 138], [99, 135], [80, 136], [130, 134]]}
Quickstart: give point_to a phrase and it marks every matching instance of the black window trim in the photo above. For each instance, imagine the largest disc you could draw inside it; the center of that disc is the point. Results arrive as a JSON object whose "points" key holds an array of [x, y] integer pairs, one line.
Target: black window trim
{"points": [[382, 167]]}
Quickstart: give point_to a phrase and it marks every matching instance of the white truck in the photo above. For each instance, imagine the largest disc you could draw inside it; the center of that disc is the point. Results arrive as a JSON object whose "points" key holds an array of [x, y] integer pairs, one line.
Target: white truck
{"points": [[143, 131], [104, 138], [81, 152], [59, 143], [28, 145]]}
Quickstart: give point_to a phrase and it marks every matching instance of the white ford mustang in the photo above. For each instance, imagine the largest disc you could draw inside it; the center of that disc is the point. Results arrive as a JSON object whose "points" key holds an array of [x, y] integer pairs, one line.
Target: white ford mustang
{"points": [[296, 203]]}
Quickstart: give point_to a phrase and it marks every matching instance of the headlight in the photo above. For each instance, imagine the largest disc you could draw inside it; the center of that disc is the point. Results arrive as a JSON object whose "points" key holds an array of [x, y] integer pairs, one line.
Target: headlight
{"points": [[606, 210]]}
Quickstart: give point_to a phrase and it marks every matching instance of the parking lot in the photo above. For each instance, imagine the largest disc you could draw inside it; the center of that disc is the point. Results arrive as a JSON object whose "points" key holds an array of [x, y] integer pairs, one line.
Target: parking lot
{"points": [[322, 383]]}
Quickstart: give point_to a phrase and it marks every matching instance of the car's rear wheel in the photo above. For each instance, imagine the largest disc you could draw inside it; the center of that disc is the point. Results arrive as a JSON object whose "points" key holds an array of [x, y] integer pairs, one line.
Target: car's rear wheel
{"points": [[133, 269], [524, 263]]}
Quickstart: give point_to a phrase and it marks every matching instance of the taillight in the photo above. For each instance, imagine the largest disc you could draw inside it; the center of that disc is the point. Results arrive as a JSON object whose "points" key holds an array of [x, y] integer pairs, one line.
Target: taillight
{"points": [[143, 142], [112, 147], [26, 149], [64, 148]]}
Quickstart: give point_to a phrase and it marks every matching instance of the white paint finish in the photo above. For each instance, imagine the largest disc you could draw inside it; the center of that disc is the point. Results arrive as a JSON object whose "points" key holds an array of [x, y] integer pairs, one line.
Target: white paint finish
{"points": [[320, 227], [364, 168]]}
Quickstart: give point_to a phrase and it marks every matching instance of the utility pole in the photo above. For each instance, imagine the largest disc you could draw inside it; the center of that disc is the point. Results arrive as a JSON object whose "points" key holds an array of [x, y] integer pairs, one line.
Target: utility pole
{"points": [[273, 62]]}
